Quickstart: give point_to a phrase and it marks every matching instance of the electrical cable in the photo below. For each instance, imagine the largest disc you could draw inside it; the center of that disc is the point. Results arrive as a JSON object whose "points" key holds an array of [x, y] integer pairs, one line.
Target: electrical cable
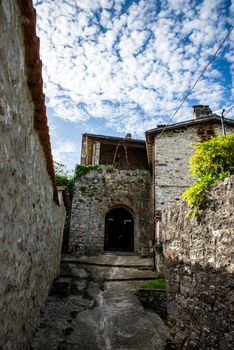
{"points": [[229, 110], [197, 80]]}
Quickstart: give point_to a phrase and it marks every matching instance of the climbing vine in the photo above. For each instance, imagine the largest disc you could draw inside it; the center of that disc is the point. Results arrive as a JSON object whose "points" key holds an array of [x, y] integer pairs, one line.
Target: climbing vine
{"points": [[81, 170], [212, 161], [62, 177]]}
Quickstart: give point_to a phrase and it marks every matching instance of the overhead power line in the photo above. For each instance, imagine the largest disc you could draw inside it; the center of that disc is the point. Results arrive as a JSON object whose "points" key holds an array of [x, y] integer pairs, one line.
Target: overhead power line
{"points": [[197, 80], [229, 110]]}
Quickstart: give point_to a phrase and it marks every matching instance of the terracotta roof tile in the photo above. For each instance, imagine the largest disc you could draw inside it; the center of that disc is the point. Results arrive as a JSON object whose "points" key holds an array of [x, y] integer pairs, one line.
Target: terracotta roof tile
{"points": [[35, 83]]}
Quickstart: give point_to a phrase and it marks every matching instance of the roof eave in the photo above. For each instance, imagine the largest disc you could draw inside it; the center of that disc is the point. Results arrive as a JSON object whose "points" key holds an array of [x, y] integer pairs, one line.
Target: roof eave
{"points": [[189, 123]]}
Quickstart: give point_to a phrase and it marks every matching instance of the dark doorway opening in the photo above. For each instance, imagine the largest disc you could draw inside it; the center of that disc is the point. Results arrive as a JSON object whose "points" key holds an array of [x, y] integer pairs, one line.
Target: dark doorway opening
{"points": [[119, 230]]}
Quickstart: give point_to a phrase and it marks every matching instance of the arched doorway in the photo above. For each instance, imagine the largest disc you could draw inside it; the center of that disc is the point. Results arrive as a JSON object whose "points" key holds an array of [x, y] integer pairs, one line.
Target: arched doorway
{"points": [[119, 230]]}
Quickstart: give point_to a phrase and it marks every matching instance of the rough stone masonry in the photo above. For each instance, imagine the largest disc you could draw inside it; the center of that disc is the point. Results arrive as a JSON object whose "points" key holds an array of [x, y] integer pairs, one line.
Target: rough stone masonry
{"points": [[199, 270], [31, 221], [100, 191]]}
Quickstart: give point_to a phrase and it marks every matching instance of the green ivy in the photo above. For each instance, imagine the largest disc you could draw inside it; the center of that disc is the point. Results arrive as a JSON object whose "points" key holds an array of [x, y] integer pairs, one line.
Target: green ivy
{"points": [[63, 179], [82, 170], [212, 161]]}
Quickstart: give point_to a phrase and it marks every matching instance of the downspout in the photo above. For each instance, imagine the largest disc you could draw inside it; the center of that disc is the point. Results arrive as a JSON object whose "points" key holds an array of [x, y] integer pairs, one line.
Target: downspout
{"points": [[87, 156], [152, 161], [154, 207], [222, 123]]}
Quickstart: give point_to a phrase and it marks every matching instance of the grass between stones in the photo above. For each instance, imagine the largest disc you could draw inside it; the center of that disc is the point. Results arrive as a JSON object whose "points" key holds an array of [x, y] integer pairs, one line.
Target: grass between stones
{"points": [[157, 283]]}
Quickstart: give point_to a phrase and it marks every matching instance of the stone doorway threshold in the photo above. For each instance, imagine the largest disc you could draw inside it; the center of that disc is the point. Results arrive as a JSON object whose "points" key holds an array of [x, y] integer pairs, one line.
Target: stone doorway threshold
{"points": [[120, 253], [110, 259]]}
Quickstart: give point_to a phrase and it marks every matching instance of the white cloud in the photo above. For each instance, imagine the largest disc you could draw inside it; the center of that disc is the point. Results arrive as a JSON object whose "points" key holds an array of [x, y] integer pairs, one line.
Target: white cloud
{"points": [[64, 152], [131, 67]]}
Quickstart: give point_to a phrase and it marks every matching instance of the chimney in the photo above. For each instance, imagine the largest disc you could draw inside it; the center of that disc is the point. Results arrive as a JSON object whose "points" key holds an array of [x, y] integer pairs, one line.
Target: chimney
{"points": [[128, 136], [201, 112]]}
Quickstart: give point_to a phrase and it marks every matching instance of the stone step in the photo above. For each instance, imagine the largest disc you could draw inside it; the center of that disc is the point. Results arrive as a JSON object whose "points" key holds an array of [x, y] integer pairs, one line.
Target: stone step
{"points": [[110, 260]]}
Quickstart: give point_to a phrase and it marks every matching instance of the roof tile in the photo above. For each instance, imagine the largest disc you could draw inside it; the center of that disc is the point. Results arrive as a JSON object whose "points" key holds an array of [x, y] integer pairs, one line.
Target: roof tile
{"points": [[35, 83]]}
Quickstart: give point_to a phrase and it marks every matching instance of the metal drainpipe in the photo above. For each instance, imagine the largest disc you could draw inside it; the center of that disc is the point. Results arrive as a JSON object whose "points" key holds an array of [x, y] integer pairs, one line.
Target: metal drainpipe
{"points": [[87, 151], [154, 207], [222, 123]]}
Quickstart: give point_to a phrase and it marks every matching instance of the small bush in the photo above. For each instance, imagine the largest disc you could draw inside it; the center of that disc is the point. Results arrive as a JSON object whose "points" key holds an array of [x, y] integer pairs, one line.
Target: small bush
{"points": [[63, 180], [213, 157], [212, 161]]}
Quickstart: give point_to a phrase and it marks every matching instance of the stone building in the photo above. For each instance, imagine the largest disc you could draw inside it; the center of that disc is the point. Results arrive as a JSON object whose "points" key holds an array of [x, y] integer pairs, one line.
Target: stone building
{"points": [[112, 206], [31, 209], [169, 150], [134, 182]]}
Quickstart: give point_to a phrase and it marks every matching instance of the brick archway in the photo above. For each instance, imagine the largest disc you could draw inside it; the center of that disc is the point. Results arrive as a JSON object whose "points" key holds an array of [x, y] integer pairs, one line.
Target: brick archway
{"points": [[119, 230]]}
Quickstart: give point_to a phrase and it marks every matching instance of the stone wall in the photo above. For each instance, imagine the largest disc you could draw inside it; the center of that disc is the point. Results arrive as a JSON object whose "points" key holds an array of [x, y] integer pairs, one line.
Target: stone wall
{"points": [[172, 152], [96, 194], [155, 299], [199, 270], [31, 222]]}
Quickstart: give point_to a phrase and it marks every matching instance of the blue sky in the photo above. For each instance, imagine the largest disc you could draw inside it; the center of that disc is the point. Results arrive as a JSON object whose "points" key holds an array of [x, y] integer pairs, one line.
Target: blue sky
{"points": [[117, 66]]}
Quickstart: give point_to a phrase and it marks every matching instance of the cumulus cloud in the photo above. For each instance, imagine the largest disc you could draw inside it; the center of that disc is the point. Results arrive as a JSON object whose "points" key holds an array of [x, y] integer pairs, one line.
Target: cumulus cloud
{"points": [[131, 63], [63, 152]]}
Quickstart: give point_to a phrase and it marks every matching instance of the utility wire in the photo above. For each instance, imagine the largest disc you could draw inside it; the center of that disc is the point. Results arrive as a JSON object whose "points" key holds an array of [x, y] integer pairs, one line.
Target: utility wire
{"points": [[197, 80], [229, 110]]}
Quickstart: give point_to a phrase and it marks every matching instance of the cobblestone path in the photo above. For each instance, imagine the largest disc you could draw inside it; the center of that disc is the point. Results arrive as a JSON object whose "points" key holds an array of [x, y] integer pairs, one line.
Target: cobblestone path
{"points": [[102, 311]]}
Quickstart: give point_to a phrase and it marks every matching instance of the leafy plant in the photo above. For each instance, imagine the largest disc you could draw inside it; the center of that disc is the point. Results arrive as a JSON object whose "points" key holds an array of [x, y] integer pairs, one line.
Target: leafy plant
{"points": [[81, 170], [60, 169], [63, 179], [212, 161], [213, 157]]}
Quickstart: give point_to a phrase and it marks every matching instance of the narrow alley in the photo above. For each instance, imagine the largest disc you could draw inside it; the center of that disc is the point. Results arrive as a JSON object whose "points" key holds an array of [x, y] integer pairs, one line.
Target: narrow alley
{"points": [[94, 306]]}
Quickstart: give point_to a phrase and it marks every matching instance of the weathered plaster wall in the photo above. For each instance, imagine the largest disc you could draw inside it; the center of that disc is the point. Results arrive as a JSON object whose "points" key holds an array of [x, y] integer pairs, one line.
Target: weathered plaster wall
{"points": [[199, 270], [172, 152], [31, 223], [130, 189]]}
